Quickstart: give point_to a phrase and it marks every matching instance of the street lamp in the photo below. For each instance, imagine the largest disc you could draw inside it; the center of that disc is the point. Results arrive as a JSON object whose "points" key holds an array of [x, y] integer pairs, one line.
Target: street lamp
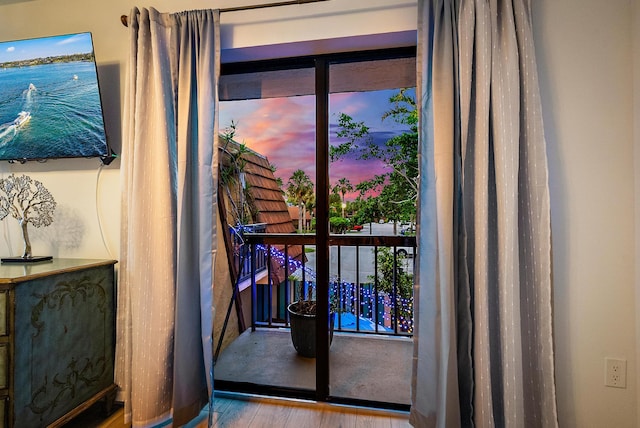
{"points": [[344, 205]]}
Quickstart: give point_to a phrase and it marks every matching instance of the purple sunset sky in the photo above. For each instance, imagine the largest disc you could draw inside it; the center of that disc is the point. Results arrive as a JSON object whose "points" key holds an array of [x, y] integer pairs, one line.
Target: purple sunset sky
{"points": [[283, 129]]}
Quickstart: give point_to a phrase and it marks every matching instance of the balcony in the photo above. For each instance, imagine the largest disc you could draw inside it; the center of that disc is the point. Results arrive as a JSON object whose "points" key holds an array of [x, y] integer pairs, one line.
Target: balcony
{"points": [[371, 352]]}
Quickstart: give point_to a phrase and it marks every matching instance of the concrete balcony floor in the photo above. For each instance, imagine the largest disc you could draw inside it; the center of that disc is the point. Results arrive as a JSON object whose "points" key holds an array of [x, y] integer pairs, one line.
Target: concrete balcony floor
{"points": [[365, 367]]}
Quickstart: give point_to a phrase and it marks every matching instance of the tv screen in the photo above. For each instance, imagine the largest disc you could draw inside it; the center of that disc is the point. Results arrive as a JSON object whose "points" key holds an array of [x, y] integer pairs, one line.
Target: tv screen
{"points": [[50, 99]]}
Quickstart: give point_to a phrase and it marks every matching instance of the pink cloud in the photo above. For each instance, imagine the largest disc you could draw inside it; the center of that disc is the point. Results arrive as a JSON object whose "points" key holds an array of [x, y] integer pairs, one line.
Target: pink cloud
{"points": [[283, 129]]}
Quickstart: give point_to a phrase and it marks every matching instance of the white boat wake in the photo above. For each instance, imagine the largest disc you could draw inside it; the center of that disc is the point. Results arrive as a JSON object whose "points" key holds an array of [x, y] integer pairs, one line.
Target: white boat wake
{"points": [[7, 132]]}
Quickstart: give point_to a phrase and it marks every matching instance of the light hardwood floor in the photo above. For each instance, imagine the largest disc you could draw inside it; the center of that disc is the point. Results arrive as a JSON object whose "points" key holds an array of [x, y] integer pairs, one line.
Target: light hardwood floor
{"points": [[253, 412], [259, 412]]}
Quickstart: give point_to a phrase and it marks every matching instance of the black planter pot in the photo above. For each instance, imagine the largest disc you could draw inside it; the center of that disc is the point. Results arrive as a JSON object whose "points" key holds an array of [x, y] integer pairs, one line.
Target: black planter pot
{"points": [[303, 331]]}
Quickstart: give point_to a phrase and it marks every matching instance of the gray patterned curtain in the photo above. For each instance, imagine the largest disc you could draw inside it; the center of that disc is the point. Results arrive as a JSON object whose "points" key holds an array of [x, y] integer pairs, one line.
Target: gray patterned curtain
{"points": [[483, 353], [168, 226]]}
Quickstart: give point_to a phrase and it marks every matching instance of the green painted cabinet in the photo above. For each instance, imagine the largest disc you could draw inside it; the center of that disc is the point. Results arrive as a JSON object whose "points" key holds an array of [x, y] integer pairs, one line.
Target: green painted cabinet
{"points": [[57, 339]]}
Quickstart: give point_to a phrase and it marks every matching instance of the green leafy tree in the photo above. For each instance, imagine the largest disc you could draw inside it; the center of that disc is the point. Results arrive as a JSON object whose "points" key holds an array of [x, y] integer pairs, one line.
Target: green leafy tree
{"points": [[334, 204], [299, 189], [398, 188], [390, 268], [273, 169], [367, 211], [339, 224], [232, 177]]}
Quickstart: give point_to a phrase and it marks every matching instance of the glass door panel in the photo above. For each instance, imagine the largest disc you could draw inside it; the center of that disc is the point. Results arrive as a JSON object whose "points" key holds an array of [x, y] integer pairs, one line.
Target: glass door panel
{"points": [[373, 184], [267, 174]]}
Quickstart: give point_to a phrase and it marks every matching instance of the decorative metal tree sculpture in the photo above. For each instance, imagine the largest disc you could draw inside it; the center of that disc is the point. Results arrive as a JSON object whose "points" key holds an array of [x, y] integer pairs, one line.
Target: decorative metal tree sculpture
{"points": [[28, 201]]}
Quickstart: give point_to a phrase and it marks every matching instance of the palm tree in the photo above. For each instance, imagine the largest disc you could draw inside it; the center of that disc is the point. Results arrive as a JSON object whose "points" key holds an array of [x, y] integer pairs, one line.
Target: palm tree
{"points": [[343, 187], [299, 187], [309, 202]]}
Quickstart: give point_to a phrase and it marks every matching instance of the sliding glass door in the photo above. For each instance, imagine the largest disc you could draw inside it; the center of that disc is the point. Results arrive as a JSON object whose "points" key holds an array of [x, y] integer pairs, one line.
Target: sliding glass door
{"points": [[317, 175]]}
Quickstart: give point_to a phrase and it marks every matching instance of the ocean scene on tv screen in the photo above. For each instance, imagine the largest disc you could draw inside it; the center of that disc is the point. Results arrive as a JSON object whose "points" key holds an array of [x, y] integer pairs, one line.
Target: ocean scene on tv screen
{"points": [[49, 99]]}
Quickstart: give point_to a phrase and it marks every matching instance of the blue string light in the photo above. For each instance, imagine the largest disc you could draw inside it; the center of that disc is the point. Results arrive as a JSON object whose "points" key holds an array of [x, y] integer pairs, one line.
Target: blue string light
{"points": [[348, 292]]}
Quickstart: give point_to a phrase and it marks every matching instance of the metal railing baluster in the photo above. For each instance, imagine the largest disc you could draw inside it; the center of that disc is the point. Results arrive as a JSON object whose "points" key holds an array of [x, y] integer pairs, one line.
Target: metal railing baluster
{"points": [[349, 296]]}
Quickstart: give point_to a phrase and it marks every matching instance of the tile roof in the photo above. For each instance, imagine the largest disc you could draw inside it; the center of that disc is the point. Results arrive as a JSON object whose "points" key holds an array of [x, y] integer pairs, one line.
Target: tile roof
{"points": [[266, 197]]}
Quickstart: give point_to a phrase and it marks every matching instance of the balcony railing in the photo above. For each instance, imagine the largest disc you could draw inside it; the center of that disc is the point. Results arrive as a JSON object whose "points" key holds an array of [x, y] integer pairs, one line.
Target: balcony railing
{"points": [[370, 286], [242, 255]]}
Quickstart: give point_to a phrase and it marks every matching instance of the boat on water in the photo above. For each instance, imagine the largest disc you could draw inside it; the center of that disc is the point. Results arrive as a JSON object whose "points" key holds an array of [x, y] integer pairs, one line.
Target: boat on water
{"points": [[23, 117]]}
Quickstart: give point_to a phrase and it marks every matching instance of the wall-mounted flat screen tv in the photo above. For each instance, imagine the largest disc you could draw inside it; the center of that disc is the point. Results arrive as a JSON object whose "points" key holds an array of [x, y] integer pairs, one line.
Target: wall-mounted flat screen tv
{"points": [[50, 104]]}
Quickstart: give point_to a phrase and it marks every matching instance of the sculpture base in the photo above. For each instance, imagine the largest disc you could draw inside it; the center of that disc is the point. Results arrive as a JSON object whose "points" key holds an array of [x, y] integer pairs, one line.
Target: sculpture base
{"points": [[32, 259]]}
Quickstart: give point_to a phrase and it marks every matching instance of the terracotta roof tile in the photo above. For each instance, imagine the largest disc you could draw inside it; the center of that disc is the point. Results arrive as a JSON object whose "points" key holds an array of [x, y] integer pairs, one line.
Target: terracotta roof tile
{"points": [[267, 199]]}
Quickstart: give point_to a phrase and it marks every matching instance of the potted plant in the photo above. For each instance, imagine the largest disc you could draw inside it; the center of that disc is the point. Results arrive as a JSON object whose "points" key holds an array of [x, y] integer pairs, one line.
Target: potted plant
{"points": [[302, 317]]}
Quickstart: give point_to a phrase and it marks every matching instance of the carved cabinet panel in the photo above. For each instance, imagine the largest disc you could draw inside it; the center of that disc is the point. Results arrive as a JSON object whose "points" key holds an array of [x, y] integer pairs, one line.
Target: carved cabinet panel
{"points": [[57, 338]]}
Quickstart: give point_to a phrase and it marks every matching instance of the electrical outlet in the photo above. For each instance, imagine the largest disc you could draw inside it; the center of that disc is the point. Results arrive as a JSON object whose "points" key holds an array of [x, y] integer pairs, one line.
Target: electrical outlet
{"points": [[615, 373]]}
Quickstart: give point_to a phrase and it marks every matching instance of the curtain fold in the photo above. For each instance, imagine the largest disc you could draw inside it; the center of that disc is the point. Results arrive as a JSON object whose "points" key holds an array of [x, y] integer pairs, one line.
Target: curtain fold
{"points": [[169, 158], [434, 384], [483, 288]]}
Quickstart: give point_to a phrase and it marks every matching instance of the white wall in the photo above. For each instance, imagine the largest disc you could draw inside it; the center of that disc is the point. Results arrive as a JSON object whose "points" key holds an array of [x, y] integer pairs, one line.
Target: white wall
{"points": [[585, 52]]}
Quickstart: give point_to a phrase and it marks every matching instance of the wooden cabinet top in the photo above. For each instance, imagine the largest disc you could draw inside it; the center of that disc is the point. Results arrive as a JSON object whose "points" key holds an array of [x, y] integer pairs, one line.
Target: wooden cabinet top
{"points": [[12, 273]]}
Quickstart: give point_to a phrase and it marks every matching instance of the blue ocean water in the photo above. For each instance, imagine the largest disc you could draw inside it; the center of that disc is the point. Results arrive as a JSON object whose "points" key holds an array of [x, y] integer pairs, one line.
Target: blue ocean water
{"points": [[64, 103]]}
